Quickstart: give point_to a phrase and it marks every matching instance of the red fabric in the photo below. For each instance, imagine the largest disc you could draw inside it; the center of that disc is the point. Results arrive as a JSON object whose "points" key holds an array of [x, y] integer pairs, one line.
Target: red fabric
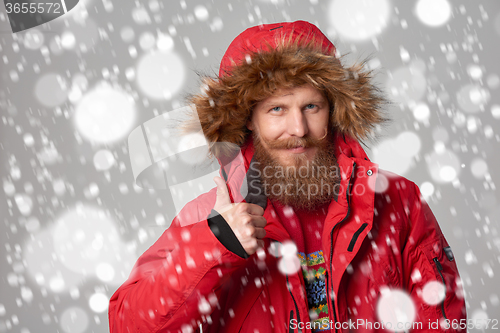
{"points": [[302, 226], [254, 40], [187, 268]]}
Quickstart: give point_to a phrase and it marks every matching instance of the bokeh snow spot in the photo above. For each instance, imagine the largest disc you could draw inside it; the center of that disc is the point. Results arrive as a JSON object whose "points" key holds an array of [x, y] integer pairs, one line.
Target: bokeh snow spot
{"points": [[395, 307]]}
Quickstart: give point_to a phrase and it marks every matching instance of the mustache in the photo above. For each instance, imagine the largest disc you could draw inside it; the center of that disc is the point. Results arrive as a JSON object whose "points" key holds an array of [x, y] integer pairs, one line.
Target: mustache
{"points": [[291, 143]]}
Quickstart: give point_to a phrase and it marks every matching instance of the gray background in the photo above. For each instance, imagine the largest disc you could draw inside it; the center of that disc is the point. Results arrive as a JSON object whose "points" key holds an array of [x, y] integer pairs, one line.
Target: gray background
{"points": [[72, 220]]}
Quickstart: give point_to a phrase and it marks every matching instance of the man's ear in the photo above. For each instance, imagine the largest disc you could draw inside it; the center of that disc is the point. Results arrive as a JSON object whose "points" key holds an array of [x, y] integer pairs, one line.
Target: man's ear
{"points": [[250, 125]]}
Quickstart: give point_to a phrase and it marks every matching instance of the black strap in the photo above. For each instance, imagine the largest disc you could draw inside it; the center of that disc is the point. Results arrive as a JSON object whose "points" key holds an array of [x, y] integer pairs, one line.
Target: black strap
{"points": [[355, 237], [225, 234]]}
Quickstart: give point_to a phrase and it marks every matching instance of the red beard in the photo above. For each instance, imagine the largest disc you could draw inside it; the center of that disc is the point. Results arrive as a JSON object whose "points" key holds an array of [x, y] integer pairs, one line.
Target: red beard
{"points": [[304, 184]]}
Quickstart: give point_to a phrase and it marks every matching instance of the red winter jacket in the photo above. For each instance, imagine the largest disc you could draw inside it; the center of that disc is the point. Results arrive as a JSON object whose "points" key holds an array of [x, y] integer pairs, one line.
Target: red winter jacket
{"points": [[379, 235]]}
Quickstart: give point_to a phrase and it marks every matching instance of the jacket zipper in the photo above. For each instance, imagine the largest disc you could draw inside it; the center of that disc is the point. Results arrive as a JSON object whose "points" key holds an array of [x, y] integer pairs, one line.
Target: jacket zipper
{"points": [[294, 303], [331, 240], [440, 268], [296, 307]]}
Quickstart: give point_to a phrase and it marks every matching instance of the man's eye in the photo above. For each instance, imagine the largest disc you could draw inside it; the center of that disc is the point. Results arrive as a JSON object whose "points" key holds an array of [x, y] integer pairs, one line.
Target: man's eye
{"points": [[310, 106], [276, 109]]}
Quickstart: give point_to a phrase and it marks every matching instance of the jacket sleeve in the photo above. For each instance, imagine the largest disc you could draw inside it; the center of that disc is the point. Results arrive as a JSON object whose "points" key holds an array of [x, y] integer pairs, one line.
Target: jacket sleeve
{"points": [[430, 272], [176, 280]]}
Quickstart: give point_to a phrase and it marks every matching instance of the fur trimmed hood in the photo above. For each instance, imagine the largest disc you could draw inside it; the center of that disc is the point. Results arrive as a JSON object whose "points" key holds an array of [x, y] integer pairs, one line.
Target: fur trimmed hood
{"points": [[268, 57]]}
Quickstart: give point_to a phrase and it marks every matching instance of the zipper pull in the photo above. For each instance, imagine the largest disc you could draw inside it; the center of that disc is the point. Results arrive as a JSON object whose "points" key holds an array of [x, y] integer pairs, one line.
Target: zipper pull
{"points": [[438, 264]]}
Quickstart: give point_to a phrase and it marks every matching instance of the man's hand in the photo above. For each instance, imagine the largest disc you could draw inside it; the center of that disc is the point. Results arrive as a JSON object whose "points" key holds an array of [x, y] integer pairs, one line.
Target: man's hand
{"points": [[245, 219]]}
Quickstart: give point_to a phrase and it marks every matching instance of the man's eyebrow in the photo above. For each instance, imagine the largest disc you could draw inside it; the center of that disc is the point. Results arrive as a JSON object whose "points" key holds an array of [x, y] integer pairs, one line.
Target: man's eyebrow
{"points": [[277, 103], [317, 101]]}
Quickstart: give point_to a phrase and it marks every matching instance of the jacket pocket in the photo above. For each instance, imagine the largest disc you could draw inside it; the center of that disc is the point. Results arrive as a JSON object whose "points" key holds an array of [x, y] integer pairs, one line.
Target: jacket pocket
{"points": [[439, 268], [445, 272]]}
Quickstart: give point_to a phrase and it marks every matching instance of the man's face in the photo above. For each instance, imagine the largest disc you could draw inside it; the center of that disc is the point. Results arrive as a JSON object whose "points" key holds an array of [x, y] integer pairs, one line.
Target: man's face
{"points": [[284, 121], [294, 148]]}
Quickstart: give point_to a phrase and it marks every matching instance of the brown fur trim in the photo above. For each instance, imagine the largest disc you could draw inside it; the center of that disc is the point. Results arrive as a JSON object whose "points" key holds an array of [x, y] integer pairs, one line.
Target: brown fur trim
{"points": [[227, 102]]}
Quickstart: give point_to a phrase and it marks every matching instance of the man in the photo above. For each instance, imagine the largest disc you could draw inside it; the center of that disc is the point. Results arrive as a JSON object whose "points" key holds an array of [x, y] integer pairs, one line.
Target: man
{"points": [[303, 233]]}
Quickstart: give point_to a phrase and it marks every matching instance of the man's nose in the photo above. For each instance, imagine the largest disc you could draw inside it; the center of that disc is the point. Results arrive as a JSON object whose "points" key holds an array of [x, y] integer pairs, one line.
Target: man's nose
{"points": [[296, 123]]}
